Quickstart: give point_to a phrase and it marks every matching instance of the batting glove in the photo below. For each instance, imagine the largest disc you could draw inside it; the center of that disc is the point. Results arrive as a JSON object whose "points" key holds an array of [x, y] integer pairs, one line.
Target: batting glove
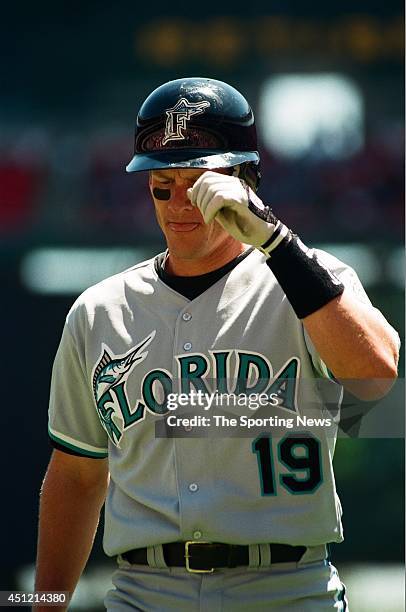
{"points": [[238, 209]]}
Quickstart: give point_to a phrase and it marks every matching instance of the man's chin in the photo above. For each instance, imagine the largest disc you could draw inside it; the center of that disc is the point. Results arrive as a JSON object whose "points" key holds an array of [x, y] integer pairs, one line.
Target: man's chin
{"points": [[185, 246]]}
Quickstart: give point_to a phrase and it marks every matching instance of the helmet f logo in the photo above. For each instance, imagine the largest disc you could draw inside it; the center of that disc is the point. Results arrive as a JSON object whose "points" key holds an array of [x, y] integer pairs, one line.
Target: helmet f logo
{"points": [[178, 115]]}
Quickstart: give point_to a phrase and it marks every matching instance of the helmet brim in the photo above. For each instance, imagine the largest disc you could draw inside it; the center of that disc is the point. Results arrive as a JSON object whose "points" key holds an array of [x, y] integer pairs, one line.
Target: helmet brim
{"points": [[190, 159]]}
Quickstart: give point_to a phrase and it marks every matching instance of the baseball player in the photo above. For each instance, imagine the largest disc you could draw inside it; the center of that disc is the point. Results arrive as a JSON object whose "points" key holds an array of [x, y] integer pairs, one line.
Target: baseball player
{"points": [[237, 304]]}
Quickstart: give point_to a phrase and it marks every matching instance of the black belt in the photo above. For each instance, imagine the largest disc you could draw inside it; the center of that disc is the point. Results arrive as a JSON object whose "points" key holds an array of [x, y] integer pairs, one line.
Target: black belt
{"points": [[208, 556]]}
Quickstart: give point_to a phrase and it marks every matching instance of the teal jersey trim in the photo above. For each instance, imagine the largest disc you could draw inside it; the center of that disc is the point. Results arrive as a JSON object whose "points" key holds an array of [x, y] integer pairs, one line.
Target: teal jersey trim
{"points": [[81, 451]]}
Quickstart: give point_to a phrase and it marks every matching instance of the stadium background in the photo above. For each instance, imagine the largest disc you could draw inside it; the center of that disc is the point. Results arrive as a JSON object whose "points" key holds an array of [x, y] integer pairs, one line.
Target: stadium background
{"points": [[72, 78]]}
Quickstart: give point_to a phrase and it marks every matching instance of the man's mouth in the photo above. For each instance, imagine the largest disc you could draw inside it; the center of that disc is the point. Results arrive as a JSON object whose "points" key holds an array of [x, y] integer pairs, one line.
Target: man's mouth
{"points": [[182, 227]]}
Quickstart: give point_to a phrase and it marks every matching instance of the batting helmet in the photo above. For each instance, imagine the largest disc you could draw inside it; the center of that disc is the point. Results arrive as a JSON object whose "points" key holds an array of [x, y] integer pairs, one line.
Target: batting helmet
{"points": [[196, 123]]}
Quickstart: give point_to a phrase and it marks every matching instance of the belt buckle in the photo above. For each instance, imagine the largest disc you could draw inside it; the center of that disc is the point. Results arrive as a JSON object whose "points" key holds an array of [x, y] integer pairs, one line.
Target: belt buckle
{"points": [[187, 557]]}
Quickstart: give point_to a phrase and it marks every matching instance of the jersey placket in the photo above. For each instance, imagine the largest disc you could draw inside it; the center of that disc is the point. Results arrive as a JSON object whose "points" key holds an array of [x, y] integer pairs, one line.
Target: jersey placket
{"points": [[191, 454]]}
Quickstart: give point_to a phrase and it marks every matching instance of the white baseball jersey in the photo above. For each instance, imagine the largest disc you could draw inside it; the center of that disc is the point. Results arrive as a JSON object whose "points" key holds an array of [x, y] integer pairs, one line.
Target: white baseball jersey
{"points": [[130, 341]]}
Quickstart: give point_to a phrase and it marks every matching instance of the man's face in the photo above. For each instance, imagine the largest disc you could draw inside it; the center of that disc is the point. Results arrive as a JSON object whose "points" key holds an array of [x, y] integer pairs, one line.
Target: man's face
{"points": [[186, 233]]}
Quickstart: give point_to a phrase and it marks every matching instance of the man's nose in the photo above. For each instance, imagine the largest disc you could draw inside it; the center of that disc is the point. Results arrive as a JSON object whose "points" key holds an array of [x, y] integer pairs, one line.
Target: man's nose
{"points": [[178, 197]]}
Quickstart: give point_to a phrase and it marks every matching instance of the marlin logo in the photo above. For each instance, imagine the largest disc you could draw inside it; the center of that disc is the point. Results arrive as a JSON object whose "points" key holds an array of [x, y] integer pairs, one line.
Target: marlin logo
{"points": [[178, 115], [109, 372]]}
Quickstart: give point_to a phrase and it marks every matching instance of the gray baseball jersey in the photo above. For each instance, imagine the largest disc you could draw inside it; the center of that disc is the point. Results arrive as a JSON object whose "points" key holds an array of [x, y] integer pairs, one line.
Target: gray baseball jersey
{"points": [[130, 341]]}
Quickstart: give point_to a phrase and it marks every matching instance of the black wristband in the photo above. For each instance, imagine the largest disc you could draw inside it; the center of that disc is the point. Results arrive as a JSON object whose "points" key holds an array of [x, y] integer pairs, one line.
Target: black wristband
{"points": [[307, 283]]}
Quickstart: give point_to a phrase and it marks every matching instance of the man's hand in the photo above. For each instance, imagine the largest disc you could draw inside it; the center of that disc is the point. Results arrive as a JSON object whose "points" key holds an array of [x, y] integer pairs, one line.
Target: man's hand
{"points": [[236, 207]]}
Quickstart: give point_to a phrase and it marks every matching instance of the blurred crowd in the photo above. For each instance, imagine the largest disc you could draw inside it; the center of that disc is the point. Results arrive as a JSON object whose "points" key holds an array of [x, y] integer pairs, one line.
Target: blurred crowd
{"points": [[71, 187]]}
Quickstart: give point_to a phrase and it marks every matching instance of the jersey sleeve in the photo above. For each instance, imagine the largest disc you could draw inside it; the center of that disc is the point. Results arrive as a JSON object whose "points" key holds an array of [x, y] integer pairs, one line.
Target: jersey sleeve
{"points": [[73, 421]]}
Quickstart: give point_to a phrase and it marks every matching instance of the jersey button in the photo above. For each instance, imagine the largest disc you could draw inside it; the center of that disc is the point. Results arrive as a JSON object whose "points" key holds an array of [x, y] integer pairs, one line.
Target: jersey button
{"points": [[193, 487], [187, 346], [197, 535], [186, 316]]}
